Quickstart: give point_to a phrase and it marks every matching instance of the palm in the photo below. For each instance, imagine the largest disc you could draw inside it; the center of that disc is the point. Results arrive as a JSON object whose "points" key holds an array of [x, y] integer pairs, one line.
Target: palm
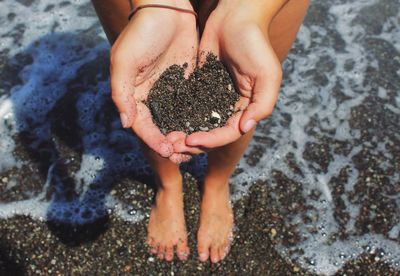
{"points": [[151, 43]]}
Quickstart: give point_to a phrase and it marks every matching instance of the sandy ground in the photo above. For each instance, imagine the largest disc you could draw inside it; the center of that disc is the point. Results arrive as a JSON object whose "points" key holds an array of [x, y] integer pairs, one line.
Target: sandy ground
{"points": [[114, 247]]}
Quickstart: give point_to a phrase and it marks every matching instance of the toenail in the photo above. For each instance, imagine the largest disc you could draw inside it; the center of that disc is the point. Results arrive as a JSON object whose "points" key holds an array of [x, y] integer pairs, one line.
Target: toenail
{"points": [[183, 254], [203, 256], [214, 260]]}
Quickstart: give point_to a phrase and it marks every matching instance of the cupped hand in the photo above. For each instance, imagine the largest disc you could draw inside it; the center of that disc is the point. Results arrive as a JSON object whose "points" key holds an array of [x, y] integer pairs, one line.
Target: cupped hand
{"points": [[242, 43], [153, 40]]}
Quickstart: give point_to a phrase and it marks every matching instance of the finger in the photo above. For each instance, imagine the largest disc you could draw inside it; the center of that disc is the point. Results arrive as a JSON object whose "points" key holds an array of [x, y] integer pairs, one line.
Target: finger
{"points": [[263, 99], [175, 136], [178, 141], [149, 133], [181, 147], [123, 77], [218, 136], [178, 158], [267, 81]]}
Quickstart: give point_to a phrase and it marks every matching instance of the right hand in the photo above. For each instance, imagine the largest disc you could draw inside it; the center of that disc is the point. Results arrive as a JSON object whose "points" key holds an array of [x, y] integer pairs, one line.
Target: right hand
{"points": [[237, 32], [154, 39]]}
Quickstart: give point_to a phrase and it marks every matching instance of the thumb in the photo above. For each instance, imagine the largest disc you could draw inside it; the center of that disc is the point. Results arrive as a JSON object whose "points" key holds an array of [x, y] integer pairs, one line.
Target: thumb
{"points": [[122, 89], [263, 99], [208, 44]]}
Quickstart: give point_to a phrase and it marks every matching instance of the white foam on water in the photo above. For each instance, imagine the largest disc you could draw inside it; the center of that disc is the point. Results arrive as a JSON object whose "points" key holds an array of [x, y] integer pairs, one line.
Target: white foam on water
{"points": [[37, 22], [7, 144], [32, 207], [50, 39], [90, 166]]}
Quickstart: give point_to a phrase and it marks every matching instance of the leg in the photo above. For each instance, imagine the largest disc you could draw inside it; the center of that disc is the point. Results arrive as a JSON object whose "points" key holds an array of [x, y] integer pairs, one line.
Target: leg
{"points": [[216, 219], [166, 228]]}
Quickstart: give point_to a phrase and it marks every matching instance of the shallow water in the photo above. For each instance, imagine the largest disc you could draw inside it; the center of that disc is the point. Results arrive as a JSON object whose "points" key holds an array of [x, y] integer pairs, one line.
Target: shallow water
{"points": [[329, 154]]}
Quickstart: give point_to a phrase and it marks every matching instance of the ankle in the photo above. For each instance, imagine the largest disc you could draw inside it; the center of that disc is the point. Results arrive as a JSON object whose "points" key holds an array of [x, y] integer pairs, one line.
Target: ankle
{"points": [[170, 183], [216, 185], [169, 192], [217, 192]]}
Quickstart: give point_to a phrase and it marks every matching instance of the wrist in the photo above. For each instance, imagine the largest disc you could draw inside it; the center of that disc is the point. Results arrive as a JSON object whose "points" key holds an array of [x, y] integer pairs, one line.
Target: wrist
{"points": [[262, 11], [183, 4]]}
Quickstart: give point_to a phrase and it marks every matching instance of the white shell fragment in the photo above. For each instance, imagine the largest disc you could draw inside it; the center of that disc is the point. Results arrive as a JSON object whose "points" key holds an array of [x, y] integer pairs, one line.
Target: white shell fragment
{"points": [[215, 115], [215, 118]]}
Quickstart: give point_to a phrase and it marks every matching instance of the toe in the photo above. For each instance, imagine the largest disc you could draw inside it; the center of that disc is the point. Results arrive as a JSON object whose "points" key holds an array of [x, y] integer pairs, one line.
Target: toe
{"points": [[214, 252], [152, 244], [169, 253], [203, 248], [154, 250], [182, 250], [223, 251], [161, 252]]}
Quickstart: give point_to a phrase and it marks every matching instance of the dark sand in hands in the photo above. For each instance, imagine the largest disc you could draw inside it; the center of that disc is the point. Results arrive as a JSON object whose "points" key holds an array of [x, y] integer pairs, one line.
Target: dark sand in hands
{"points": [[202, 102]]}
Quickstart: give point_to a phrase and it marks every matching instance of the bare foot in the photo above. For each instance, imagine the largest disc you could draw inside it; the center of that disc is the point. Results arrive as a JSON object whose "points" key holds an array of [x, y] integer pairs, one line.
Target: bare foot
{"points": [[167, 229], [216, 224]]}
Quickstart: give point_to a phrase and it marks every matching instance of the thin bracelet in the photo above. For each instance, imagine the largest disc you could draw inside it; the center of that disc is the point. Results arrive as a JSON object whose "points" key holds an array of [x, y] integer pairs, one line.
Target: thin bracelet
{"points": [[132, 13]]}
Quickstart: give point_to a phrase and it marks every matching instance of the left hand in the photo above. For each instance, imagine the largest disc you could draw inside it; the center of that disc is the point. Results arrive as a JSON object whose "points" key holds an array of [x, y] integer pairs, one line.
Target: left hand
{"points": [[152, 41]]}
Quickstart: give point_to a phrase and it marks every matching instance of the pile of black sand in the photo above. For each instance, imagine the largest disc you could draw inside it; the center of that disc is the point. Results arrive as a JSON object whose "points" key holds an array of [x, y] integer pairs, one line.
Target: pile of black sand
{"points": [[202, 102]]}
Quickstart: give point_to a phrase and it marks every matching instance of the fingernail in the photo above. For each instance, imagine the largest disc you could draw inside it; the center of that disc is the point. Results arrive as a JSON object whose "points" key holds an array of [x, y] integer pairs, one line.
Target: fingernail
{"points": [[249, 125], [124, 120]]}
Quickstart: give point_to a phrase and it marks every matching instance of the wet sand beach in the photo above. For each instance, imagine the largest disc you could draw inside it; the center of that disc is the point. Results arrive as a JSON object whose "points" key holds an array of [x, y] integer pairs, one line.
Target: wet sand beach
{"points": [[317, 192]]}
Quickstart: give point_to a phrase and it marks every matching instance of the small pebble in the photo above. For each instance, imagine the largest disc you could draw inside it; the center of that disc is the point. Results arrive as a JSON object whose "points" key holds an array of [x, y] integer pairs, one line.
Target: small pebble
{"points": [[215, 115], [215, 118], [273, 233], [127, 269]]}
